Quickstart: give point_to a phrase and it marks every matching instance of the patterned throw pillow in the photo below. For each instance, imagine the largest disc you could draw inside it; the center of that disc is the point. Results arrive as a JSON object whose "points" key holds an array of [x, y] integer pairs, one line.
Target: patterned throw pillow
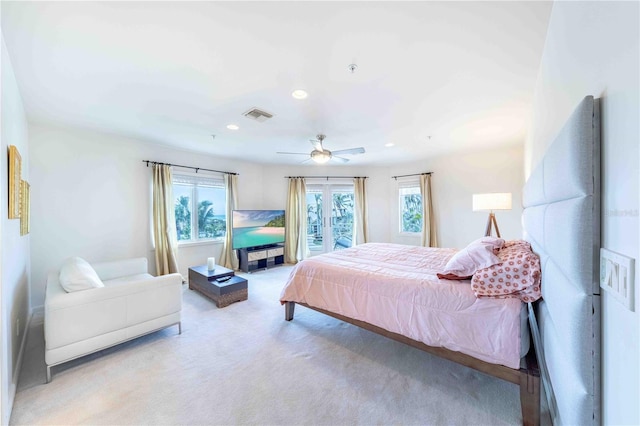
{"points": [[517, 276]]}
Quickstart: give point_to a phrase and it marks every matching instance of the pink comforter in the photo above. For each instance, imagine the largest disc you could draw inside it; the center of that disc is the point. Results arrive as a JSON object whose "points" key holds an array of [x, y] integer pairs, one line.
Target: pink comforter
{"points": [[395, 287]]}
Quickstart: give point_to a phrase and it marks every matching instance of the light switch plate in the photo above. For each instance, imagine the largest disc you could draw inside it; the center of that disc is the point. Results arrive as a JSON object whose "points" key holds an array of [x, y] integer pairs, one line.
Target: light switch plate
{"points": [[617, 274]]}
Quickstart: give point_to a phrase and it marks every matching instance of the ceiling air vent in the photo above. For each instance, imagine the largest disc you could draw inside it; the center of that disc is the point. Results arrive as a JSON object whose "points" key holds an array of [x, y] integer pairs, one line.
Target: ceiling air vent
{"points": [[258, 115]]}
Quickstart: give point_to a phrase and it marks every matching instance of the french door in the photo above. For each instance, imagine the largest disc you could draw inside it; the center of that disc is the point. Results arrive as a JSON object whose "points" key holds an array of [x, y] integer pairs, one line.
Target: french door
{"points": [[329, 217]]}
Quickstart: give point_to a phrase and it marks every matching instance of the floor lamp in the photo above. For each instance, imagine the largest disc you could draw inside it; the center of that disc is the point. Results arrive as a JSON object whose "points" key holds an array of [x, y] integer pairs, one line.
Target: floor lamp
{"points": [[492, 201]]}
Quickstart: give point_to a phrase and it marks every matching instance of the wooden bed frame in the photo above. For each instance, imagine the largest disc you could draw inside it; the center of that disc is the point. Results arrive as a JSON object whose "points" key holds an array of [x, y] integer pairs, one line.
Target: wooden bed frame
{"points": [[527, 377]]}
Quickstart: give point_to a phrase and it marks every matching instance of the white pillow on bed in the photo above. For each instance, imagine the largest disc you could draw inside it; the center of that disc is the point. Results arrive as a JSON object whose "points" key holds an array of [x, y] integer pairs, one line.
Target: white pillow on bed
{"points": [[479, 254]]}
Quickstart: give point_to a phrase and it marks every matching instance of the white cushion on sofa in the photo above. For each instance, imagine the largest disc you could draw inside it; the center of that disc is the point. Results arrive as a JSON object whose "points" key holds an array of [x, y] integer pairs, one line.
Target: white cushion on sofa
{"points": [[76, 275]]}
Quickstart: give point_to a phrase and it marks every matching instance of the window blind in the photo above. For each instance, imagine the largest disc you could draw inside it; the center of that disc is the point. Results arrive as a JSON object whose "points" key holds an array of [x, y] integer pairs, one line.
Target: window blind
{"points": [[217, 182]]}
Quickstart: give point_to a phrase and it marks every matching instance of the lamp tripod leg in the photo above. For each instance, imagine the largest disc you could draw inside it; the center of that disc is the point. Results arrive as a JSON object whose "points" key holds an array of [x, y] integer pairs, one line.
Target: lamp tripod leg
{"points": [[491, 221], [487, 231], [495, 224]]}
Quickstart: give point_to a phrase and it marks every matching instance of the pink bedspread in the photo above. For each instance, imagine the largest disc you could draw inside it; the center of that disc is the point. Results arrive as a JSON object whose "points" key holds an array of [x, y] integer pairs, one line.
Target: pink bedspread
{"points": [[395, 287]]}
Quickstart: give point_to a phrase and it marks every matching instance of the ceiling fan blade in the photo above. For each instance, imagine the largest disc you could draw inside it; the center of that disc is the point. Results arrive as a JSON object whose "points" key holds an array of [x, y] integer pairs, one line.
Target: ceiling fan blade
{"points": [[294, 153], [349, 151], [317, 145], [340, 159]]}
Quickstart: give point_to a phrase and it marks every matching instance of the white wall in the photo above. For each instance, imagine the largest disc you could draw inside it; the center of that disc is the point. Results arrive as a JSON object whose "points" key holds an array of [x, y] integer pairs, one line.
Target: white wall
{"points": [[592, 48], [15, 263], [91, 198]]}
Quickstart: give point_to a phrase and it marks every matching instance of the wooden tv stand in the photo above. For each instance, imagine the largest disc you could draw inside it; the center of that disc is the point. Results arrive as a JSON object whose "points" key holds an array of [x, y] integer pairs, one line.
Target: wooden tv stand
{"points": [[254, 258]]}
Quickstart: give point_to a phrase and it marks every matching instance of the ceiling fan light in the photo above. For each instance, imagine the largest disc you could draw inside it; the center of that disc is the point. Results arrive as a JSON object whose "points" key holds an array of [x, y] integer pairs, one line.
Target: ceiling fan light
{"points": [[299, 94], [320, 157]]}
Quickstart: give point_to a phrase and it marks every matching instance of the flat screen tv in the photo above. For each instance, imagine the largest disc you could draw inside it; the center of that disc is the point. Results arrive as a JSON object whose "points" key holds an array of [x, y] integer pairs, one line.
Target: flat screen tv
{"points": [[257, 228]]}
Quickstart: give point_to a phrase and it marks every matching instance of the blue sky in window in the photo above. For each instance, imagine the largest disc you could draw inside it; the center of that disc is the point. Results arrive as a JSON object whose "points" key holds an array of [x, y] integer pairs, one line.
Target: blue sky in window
{"points": [[216, 196]]}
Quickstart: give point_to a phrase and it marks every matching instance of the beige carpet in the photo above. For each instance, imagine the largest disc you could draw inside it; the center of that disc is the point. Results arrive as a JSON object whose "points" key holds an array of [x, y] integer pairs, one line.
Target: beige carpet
{"points": [[244, 364]]}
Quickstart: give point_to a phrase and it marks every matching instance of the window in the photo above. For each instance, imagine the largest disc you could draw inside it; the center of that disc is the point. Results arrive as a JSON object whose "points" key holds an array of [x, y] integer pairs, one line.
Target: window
{"points": [[200, 208], [410, 207]]}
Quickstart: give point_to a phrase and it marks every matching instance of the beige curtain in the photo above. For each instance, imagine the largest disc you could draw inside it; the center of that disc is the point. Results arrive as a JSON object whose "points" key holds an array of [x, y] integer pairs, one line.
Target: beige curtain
{"points": [[361, 216], [228, 259], [429, 237], [295, 246], [164, 221]]}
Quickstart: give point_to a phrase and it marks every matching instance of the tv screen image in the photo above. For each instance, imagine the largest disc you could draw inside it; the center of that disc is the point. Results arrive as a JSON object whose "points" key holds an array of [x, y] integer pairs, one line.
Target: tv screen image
{"points": [[255, 228]]}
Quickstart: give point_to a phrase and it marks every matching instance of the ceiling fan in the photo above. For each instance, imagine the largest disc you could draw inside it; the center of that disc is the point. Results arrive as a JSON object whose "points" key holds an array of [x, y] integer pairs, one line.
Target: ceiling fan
{"points": [[321, 155]]}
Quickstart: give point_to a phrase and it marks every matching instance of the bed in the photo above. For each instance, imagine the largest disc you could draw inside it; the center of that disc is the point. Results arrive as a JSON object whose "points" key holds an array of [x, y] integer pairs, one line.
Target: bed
{"points": [[393, 290]]}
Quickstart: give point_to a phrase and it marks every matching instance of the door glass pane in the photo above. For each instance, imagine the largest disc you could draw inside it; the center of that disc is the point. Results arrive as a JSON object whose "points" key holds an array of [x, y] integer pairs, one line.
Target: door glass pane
{"points": [[314, 220], [342, 219]]}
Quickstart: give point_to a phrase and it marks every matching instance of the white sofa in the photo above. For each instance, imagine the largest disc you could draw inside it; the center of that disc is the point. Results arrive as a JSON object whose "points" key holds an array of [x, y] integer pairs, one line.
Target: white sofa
{"points": [[131, 303]]}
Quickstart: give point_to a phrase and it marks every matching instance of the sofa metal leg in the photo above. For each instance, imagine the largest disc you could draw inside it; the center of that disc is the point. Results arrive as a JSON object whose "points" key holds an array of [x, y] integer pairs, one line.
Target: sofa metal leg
{"points": [[48, 374], [180, 327]]}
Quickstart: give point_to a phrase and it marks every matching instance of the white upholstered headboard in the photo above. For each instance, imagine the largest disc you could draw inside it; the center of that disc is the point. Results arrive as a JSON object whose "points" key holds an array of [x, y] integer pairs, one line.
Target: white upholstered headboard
{"points": [[561, 202]]}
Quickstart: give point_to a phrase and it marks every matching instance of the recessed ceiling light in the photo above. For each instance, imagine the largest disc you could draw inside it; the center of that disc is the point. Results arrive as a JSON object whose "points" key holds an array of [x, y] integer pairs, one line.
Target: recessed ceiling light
{"points": [[232, 126], [389, 144], [299, 94]]}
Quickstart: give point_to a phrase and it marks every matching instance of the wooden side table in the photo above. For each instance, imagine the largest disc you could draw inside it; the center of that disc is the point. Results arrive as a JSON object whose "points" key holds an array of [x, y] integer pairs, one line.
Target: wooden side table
{"points": [[213, 285]]}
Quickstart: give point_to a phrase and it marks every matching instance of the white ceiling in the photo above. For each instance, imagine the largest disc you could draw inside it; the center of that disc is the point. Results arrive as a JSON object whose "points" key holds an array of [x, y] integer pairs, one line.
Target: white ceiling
{"points": [[433, 77]]}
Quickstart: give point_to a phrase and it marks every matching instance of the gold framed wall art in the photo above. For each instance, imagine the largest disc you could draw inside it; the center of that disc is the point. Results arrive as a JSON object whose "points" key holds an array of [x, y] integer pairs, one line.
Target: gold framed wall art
{"points": [[15, 166], [25, 206]]}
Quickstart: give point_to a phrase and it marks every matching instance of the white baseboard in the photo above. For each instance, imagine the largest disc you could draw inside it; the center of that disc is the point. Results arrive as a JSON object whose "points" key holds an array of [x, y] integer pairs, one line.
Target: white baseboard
{"points": [[13, 386], [37, 313]]}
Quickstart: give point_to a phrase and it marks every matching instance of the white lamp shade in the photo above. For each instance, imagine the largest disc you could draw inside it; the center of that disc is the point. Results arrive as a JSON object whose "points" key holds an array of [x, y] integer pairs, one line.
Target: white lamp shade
{"points": [[492, 201]]}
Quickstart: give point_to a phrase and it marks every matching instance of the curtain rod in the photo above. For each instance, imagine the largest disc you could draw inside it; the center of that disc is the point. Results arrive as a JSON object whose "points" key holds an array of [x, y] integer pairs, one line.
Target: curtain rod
{"points": [[415, 174], [187, 167], [327, 177]]}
